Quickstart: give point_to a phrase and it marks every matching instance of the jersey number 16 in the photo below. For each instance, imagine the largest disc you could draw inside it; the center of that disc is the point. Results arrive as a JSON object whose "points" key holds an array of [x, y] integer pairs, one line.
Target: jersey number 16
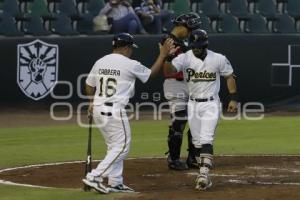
{"points": [[107, 87]]}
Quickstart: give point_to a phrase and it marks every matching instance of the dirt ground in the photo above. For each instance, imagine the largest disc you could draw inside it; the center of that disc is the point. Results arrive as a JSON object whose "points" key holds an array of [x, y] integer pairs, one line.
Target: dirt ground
{"points": [[238, 177]]}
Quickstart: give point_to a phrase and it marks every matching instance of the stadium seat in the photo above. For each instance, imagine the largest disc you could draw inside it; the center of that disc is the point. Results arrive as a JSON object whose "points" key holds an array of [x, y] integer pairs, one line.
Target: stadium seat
{"points": [[85, 24], [195, 5], [23, 4], [8, 25], [181, 6], [228, 24], [210, 8], [205, 25], [81, 6], [53, 5], [223, 6], [256, 24], [1, 6], [281, 6], [267, 8], [34, 26], [94, 6], [62, 25], [293, 8], [252, 6], [239, 8], [285, 24], [11, 7], [38, 8], [68, 7]]}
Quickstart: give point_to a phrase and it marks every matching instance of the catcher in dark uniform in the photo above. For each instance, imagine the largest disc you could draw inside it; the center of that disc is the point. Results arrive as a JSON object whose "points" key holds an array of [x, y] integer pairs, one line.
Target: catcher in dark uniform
{"points": [[176, 92]]}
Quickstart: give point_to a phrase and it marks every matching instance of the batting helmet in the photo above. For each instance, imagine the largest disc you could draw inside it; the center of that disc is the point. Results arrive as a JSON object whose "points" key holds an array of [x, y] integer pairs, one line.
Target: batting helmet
{"points": [[192, 21], [122, 40], [198, 39]]}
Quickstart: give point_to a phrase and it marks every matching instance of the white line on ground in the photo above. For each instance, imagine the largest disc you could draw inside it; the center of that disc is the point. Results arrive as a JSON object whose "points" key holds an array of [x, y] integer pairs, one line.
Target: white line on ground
{"points": [[259, 183], [274, 168], [213, 175], [20, 184]]}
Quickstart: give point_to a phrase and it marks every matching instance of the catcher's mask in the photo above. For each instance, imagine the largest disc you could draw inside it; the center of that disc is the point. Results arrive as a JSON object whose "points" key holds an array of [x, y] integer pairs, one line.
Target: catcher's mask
{"points": [[191, 21]]}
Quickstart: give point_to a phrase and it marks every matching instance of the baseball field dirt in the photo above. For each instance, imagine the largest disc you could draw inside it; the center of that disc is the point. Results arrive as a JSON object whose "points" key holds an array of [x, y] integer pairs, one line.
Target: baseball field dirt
{"points": [[234, 177]]}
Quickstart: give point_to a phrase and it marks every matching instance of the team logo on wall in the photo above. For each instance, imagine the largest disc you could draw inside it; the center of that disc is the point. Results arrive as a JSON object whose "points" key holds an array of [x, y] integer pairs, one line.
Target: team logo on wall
{"points": [[37, 68]]}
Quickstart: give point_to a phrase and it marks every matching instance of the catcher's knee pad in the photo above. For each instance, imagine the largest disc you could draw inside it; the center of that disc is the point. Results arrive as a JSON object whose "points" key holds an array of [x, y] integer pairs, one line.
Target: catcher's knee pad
{"points": [[179, 120], [174, 143]]}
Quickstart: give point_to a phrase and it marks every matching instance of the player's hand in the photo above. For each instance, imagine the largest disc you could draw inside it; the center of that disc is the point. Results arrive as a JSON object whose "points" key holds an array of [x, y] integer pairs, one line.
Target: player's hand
{"points": [[90, 111], [174, 50], [232, 106], [167, 47]]}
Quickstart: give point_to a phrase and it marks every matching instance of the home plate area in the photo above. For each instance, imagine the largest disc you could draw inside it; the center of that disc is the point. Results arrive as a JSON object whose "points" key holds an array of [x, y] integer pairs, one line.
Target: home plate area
{"points": [[234, 177]]}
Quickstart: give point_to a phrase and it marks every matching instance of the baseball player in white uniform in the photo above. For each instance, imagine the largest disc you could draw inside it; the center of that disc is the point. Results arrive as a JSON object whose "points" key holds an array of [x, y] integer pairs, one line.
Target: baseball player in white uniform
{"points": [[202, 69], [176, 92], [111, 82]]}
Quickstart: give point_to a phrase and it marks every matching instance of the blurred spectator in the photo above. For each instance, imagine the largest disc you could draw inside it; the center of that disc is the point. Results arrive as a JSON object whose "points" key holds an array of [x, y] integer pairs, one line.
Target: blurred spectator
{"points": [[122, 17], [152, 16]]}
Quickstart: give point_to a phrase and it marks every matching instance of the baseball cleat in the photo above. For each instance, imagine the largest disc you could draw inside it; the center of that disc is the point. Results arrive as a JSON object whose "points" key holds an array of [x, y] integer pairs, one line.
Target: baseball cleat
{"points": [[120, 188], [203, 182], [177, 165], [98, 186]]}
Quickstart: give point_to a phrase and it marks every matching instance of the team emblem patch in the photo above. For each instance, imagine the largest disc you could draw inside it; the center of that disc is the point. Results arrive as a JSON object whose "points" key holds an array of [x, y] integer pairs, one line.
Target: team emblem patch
{"points": [[37, 68]]}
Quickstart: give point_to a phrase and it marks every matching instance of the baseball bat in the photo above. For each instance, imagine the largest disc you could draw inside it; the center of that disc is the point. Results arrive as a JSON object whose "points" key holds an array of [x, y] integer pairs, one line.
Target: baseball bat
{"points": [[88, 162]]}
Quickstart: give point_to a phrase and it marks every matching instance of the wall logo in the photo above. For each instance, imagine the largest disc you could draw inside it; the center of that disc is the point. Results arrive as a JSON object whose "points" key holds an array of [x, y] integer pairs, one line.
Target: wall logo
{"points": [[282, 73], [37, 68]]}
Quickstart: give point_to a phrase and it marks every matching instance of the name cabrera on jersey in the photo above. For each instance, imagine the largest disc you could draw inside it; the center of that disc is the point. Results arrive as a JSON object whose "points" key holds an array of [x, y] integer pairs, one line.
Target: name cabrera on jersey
{"points": [[114, 77], [203, 77]]}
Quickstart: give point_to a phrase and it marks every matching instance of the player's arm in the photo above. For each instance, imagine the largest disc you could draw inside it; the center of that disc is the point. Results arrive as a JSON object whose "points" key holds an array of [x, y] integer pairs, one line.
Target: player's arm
{"points": [[164, 51], [90, 92], [175, 66], [168, 69], [232, 89]]}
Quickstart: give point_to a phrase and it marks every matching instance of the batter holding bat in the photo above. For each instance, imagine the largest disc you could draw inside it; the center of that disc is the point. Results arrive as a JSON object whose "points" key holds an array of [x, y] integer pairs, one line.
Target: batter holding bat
{"points": [[202, 69], [111, 83]]}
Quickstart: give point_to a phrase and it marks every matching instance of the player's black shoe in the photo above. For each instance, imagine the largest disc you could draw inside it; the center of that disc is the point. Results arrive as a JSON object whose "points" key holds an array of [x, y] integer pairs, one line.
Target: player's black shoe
{"points": [[177, 165], [192, 162]]}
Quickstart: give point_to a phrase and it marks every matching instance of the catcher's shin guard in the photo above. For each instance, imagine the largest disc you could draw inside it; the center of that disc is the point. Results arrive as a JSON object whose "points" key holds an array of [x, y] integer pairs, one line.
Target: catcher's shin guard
{"points": [[174, 143], [191, 160], [175, 133]]}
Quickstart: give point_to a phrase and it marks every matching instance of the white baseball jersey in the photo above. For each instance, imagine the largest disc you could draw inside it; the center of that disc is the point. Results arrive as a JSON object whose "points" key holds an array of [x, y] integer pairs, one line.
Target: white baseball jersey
{"points": [[114, 77], [203, 80], [203, 77]]}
